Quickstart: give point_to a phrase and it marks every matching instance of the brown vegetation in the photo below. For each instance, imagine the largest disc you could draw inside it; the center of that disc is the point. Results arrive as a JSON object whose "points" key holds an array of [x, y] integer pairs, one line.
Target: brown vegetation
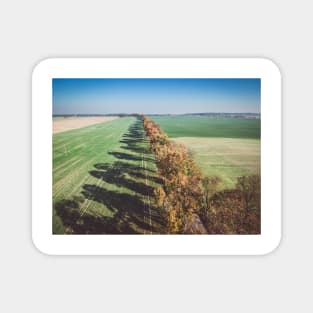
{"points": [[180, 194], [186, 193]]}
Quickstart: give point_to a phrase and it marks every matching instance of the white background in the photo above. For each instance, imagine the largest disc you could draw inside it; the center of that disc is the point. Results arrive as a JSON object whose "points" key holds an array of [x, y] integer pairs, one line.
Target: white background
{"points": [[33, 30], [264, 69]]}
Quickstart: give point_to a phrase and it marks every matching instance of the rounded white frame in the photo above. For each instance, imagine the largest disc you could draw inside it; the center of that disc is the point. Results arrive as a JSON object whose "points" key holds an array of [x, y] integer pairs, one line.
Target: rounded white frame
{"points": [[261, 68]]}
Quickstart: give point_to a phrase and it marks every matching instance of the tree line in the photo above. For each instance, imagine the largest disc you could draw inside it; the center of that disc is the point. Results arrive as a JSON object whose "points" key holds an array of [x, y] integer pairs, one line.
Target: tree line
{"points": [[186, 191]]}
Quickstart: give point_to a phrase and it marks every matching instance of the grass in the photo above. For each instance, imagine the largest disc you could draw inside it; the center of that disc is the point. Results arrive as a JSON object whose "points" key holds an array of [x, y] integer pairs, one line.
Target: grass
{"points": [[102, 180], [196, 126], [227, 158], [104, 174], [224, 147]]}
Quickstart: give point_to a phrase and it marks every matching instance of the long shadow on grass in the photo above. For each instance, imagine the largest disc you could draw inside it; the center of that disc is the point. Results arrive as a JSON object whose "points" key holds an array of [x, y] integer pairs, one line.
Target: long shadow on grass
{"points": [[125, 175], [76, 221], [130, 210]]}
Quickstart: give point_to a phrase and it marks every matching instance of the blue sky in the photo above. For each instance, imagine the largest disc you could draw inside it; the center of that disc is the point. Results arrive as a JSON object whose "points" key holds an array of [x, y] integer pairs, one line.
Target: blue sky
{"points": [[162, 96]]}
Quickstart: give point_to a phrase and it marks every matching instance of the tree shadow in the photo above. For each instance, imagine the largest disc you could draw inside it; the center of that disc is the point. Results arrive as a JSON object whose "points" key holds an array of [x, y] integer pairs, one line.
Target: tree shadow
{"points": [[133, 142], [117, 177], [128, 217], [78, 222], [131, 214], [116, 174], [126, 156]]}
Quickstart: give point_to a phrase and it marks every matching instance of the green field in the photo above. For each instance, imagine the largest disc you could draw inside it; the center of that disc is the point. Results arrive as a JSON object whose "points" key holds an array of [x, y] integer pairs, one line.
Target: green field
{"points": [[103, 178], [227, 158], [201, 126], [104, 174], [224, 147]]}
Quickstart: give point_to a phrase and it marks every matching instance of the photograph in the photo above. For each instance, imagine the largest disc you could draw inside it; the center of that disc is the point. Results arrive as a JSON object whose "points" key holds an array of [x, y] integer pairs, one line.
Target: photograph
{"points": [[156, 156]]}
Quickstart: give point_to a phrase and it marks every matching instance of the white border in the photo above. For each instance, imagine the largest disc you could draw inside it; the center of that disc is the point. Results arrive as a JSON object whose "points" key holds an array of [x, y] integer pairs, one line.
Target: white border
{"points": [[51, 244]]}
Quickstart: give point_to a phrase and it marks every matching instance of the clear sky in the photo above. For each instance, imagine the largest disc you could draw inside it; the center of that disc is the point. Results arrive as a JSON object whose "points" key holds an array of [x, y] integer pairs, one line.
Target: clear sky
{"points": [[155, 96]]}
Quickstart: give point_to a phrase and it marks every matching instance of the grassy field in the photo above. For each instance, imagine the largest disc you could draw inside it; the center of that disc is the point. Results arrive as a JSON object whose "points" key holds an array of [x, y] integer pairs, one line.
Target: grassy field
{"points": [[61, 123], [196, 126], [104, 174], [227, 158], [102, 180], [224, 147]]}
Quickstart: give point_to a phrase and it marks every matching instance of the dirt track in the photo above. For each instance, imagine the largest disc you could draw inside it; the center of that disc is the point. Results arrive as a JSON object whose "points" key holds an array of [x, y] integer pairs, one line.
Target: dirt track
{"points": [[62, 124]]}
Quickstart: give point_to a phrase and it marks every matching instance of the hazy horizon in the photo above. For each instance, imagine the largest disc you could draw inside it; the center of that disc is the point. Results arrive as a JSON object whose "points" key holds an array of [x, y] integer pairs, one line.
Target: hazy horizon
{"points": [[187, 113], [80, 96]]}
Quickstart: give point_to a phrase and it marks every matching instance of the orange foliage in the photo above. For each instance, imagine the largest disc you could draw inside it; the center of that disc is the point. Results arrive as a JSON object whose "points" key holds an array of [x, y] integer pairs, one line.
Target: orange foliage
{"points": [[185, 191], [228, 215], [181, 193]]}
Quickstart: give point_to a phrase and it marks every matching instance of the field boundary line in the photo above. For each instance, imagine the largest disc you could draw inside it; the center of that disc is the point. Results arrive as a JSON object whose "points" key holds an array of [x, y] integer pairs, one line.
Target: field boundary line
{"points": [[144, 202], [147, 184]]}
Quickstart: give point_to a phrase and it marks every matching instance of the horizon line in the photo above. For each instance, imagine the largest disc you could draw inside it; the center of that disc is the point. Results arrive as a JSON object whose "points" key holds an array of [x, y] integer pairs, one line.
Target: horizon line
{"points": [[134, 113]]}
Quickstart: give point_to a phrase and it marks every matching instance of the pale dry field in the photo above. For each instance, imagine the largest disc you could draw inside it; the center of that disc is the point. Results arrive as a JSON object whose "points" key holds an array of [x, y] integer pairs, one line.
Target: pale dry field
{"points": [[227, 158], [62, 124]]}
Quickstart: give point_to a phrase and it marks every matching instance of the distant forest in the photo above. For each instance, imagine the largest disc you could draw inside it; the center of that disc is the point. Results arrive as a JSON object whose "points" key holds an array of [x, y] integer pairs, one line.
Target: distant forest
{"points": [[233, 115]]}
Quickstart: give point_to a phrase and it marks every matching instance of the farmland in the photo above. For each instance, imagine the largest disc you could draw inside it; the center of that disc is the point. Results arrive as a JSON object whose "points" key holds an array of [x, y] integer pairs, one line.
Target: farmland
{"points": [[224, 147], [201, 126], [227, 158], [103, 178], [119, 170], [104, 175], [61, 123]]}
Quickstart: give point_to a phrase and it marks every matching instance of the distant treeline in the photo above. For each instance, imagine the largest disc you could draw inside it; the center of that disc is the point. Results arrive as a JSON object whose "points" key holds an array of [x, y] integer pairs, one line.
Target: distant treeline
{"points": [[233, 115], [93, 115]]}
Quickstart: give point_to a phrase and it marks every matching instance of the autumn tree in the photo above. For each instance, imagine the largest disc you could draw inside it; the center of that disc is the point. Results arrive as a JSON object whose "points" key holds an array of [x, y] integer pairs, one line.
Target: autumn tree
{"points": [[184, 191], [250, 188], [210, 186], [180, 194]]}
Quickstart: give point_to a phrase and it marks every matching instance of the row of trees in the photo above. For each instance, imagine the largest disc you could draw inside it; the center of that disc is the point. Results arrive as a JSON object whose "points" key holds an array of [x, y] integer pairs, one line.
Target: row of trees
{"points": [[181, 194], [185, 191]]}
